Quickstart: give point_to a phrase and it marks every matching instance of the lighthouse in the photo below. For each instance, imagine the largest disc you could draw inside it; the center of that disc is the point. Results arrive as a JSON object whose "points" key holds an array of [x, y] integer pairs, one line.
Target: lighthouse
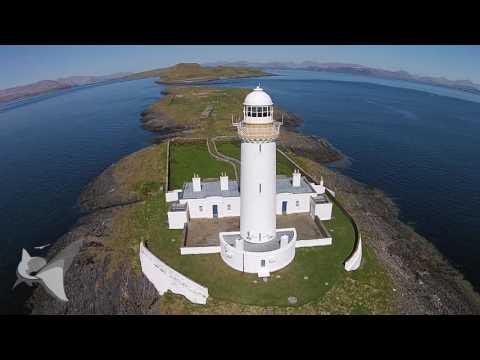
{"points": [[257, 245], [258, 133]]}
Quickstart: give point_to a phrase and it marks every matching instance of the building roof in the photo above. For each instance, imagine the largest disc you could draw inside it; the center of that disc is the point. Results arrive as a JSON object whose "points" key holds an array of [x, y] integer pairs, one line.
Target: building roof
{"points": [[284, 185], [258, 97], [212, 188]]}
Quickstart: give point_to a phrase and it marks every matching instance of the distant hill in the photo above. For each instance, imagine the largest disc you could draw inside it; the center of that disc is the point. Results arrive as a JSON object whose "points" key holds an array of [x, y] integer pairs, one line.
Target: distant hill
{"points": [[45, 86], [191, 72], [463, 85]]}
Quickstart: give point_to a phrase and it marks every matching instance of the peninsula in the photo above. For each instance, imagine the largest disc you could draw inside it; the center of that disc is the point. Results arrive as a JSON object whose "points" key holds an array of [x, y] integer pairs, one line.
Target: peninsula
{"points": [[401, 272], [188, 73], [47, 86]]}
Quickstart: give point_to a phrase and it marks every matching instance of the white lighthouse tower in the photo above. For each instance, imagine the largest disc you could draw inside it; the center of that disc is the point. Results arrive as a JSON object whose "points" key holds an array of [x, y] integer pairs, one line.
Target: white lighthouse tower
{"points": [[259, 247], [258, 133]]}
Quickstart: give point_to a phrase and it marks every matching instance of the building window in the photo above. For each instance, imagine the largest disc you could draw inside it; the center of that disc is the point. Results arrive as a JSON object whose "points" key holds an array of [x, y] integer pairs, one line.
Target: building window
{"points": [[297, 203], [200, 208], [229, 207]]}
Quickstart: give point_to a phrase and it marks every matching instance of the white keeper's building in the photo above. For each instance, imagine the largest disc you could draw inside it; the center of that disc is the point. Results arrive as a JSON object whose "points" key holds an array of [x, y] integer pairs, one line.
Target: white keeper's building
{"points": [[258, 247]]}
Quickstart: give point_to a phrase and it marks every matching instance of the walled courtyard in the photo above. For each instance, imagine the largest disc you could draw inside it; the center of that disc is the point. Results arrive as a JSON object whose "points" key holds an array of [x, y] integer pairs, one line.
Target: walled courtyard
{"points": [[204, 232]]}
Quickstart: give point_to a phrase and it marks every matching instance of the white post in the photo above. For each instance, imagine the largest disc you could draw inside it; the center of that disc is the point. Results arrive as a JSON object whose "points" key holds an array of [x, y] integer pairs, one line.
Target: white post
{"points": [[196, 183], [239, 244], [283, 241], [224, 182], [296, 178]]}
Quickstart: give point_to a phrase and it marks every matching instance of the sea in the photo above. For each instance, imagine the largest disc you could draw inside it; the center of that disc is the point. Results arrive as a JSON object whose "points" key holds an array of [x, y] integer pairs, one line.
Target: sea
{"points": [[419, 144]]}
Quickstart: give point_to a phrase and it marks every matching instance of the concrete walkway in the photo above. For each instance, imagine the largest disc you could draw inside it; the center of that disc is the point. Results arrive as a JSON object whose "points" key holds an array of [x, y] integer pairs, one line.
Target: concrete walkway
{"points": [[212, 149]]}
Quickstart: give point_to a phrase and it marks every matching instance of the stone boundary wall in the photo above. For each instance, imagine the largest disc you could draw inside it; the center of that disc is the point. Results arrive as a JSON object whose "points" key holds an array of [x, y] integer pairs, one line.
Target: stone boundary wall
{"points": [[165, 278]]}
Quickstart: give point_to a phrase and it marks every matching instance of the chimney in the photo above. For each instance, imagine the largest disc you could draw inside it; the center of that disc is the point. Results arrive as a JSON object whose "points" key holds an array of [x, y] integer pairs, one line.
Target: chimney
{"points": [[296, 178], [224, 182], [196, 183]]}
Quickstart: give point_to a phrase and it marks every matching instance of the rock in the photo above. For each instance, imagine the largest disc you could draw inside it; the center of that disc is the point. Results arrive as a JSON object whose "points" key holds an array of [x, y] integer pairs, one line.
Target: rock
{"points": [[292, 300]]}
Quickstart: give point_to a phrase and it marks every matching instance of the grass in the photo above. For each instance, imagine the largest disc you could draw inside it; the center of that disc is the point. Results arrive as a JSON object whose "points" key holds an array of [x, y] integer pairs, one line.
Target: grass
{"points": [[186, 104], [232, 149], [187, 158], [194, 72]]}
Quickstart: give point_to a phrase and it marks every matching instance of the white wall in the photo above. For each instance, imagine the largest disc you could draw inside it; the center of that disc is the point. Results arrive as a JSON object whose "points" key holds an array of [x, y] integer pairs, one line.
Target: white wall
{"points": [[172, 195], [177, 219], [292, 208], [195, 250], [231, 256], [319, 189], [314, 242], [165, 278], [250, 262], [323, 211], [354, 262], [207, 205]]}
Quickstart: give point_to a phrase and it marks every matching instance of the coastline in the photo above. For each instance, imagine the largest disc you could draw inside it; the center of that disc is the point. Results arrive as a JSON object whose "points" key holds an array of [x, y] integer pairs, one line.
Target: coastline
{"points": [[424, 282]]}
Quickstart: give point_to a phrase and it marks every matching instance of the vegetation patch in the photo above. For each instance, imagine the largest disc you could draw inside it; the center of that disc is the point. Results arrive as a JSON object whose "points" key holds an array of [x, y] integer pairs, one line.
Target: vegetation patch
{"points": [[232, 149], [187, 158], [191, 72]]}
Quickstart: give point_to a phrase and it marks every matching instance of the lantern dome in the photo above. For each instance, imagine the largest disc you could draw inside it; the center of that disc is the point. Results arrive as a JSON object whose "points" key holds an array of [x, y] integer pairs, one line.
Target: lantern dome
{"points": [[258, 97]]}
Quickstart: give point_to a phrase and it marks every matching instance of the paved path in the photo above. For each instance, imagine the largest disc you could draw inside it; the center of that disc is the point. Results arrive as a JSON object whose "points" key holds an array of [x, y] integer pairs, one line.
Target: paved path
{"points": [[212, 149]]}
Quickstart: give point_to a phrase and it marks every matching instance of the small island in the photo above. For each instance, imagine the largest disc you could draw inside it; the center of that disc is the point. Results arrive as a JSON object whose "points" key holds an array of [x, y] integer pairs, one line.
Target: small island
{"points": [[188, 73], [401, 272]]}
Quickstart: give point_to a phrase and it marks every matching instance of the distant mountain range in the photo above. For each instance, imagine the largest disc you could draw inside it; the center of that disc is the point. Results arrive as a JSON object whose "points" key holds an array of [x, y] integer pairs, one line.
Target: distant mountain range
{"points": [[44, 86], [463, 85]]}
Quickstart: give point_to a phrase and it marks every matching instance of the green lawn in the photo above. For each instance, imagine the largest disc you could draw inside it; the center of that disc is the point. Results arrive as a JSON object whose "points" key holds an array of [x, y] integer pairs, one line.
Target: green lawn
{"points": [[321, 265], [232, 149], [187, 158]]}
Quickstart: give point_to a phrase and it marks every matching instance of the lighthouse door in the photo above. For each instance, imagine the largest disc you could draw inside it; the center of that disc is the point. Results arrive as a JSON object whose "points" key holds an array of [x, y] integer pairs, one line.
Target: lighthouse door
{"points": [[215, 211], [284, 207]]}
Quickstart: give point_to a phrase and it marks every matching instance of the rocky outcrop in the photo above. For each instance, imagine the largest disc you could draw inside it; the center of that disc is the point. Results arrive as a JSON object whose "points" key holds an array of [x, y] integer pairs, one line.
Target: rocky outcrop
{"points": [[423, 280], [90, 284]]}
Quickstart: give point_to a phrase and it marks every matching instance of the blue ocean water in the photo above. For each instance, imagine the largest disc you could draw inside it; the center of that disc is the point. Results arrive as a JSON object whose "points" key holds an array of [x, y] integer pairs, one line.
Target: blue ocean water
{"points": [[418, 143], [51, 146]]}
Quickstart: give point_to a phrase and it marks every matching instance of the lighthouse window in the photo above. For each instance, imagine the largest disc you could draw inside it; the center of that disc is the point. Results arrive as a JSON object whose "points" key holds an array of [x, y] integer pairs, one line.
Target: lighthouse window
{"points": [[259, 187], [297, 203], [249, 111], [265, 110], [259, 147], [200, 208], [229, 207]]}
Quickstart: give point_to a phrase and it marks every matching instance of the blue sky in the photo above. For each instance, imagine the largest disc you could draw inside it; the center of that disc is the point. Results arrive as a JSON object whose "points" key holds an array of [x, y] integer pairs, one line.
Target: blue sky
{"points": [[25, 64]]}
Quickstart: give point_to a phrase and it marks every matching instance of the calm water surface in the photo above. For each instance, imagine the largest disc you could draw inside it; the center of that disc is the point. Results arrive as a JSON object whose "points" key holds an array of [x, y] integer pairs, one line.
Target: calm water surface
{"points": [[50, 148], [418, 143]]}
